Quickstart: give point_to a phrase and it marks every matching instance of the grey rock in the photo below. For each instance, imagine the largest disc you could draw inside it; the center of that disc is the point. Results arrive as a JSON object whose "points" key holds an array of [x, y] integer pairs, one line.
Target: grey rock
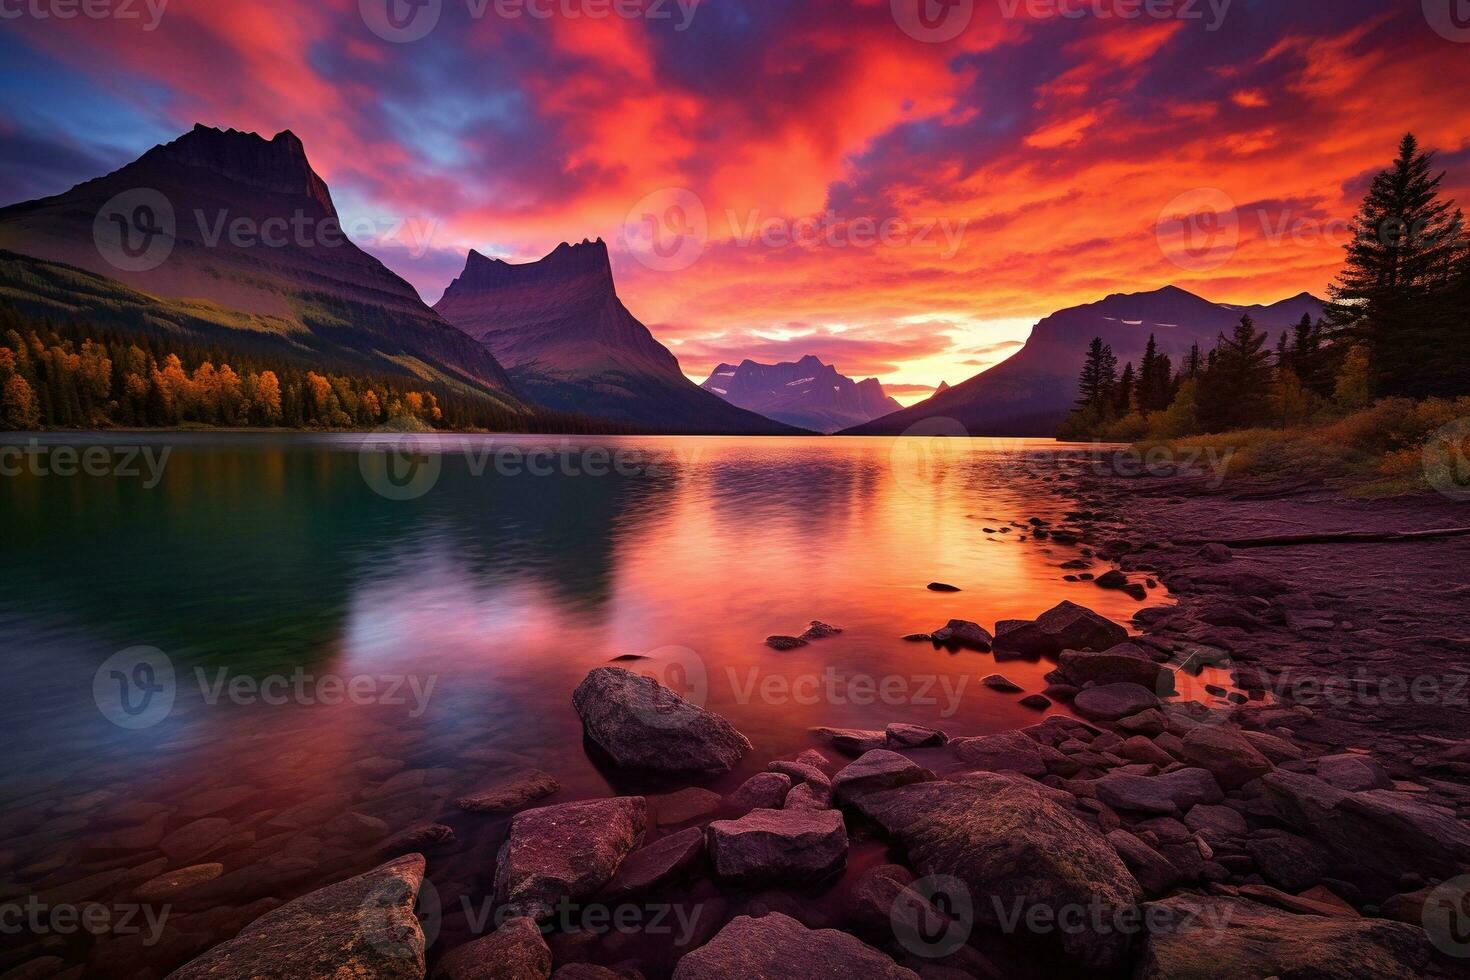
{"points": [[877, 770], [570, 850], [778, 845], [643, 725], [777, 947]]}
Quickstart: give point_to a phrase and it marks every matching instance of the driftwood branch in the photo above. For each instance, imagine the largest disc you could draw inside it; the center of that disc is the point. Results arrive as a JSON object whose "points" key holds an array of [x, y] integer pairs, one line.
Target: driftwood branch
{"points": [[1341, 537]]}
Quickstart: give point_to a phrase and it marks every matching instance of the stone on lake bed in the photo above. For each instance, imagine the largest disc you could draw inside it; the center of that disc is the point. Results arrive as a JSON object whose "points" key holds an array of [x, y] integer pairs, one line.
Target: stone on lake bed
{"points": [[874, 772], [778, 846], [510, 794], [422, 837], [643, 725], [172, 882], [784, 643], [852, 741], [998, 683], [1037, 702], [904, 736], [685, 805], [570, 850], [963, 634], [818, 630], [918, 638], [777, 947], [514, 951], [362, 927]]}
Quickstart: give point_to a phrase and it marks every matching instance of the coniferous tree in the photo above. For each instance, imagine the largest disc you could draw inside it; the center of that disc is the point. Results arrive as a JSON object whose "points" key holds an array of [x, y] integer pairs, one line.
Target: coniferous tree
{"points": [[1123, 397], [1394, 295], [1236, 383], [1099, 379]]}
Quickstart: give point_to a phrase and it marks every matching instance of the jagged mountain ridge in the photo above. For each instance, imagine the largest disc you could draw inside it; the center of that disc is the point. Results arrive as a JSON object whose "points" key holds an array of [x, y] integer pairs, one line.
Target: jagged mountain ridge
{"points": [[256, 245], [1030, 393], [569, 343], [805, 393]]}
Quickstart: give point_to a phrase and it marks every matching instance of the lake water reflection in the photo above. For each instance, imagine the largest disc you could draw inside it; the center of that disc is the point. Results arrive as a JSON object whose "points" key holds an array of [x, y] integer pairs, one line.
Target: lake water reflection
{"points": [[262, 567]]}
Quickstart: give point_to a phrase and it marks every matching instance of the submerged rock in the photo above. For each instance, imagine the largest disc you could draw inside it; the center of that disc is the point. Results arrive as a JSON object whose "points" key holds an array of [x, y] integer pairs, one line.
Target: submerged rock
{"points": [[643, 725], [1216, 936], [963, 634], [570, 850], [362, 927], [777, 947], [511, 794], [784, 643], [778, 845], [852, 741], [904, 736], [1015, 850]]}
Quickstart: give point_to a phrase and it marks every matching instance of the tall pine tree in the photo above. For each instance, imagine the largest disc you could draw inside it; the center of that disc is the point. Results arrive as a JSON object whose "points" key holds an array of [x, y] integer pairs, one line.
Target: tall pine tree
{"points": [[1235, 386], [1394, 294]]}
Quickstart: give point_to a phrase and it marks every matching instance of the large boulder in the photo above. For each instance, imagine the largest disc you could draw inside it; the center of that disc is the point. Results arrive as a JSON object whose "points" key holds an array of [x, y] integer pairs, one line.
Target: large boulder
{"points": [[643, 725], [1194, 937], [1110, 702], [778, 845], [877, 770], [515, 951], [568, 851], [1019, 853], [777, 947], [1066, 626], [1006, 752], [1380, 835], [362, 927], [1226, 753]]}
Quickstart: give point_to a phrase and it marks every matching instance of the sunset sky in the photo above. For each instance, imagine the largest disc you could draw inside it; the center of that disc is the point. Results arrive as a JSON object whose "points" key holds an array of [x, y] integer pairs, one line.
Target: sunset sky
{"points": [[942, 194]]}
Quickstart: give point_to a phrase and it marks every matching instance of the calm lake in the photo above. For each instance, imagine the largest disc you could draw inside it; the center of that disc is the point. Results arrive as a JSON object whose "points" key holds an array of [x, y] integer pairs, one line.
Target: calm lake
{"points": [[329, 626]]}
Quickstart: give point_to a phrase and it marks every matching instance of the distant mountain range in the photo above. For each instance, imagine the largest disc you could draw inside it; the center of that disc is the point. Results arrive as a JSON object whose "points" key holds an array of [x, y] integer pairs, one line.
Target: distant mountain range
{"points": [[1030, 393], [569, 343], [805, 393], [233, 239]]}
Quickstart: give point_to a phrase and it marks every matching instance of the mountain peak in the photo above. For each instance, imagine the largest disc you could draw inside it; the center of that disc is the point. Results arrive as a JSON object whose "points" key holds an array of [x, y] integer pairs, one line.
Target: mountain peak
{"points": [[587, 259], [277, 165], [806, 393]]}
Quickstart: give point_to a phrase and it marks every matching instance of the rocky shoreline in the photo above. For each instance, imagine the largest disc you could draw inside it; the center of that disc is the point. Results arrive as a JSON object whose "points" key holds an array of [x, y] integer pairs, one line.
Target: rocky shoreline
{"points": [[1264, 780]]}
